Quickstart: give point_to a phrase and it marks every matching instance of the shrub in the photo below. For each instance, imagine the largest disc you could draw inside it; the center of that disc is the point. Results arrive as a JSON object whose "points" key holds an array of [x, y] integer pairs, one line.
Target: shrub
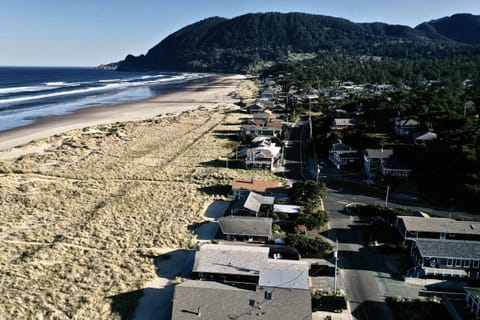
{"points": [[308, 247]]}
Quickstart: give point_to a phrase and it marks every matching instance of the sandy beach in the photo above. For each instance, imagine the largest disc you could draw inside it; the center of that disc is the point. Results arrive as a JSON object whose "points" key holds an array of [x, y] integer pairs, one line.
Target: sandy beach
{"points": [[87, 215], [206, 92]]}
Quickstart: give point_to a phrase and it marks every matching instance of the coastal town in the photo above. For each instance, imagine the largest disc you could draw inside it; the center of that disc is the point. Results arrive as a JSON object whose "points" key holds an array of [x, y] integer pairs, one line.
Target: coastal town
{"points": [[285, 234], [262, 160]]}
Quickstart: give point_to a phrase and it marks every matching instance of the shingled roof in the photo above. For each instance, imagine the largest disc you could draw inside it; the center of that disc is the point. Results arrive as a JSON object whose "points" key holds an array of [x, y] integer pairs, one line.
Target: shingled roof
{"points": [[240, 260], [453, 249], [194, 300], [439, 225], [250, 226]]}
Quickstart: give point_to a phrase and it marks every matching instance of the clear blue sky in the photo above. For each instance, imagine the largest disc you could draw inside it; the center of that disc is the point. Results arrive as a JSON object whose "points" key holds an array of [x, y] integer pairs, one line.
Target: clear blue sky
{"points": [[91, 32]]}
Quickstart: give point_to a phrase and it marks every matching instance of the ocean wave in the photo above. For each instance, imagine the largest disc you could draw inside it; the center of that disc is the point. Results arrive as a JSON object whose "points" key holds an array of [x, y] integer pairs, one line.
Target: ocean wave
{"points": [[5, 91], [94, 87], [58, 94]]}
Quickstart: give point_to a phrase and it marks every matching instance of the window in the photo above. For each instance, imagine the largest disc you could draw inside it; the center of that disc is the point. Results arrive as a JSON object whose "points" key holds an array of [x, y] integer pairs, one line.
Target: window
{"points": [[466, 264], [449, 262], [268, 295], [442, 236], [458, 262], [476, 264], [251, 303]]}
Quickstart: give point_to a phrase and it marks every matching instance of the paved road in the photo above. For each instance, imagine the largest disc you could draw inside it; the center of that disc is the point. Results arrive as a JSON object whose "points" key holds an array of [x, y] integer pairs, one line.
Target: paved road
{"points": [[295, 153], [360, 266]]}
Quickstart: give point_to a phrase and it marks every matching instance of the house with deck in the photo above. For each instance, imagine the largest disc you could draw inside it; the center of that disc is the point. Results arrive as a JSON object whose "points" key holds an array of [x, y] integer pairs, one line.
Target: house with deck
{"points": [[248, 282], [241, 187], [442, 247], [263, 157], [261, 130], [372, 160], [342, 155], [248, 229], [254, 205], [393, 167]]}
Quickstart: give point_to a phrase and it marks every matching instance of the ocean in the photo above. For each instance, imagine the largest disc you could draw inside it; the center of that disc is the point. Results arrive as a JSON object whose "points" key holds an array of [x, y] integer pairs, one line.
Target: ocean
{"points": [[30, 93]]}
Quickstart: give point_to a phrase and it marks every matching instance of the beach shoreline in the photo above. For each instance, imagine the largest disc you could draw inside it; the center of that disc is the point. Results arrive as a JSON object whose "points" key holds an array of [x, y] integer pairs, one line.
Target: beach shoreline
{"points": [[208, 92]]}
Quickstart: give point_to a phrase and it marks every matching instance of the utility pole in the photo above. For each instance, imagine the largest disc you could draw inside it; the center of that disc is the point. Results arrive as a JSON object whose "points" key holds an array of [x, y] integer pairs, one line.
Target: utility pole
{"points": [[386, 197], [310, 119], [335, 255]]}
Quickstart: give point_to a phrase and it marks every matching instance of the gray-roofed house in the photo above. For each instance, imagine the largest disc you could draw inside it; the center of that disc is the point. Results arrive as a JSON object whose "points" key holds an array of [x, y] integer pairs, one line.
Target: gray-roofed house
{"points": [[406, 127], [239, 263], [342, 155], [442, 247], [424, 138], [252, 205], [251, 229], [372, 159], [393, 167], [212, 300], [446, 258], [261, 130], [413, 228]]}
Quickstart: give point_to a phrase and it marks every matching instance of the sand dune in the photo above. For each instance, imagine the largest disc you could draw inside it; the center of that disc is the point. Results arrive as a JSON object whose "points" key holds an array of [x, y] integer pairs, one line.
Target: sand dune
{"points": [[84, 219]]}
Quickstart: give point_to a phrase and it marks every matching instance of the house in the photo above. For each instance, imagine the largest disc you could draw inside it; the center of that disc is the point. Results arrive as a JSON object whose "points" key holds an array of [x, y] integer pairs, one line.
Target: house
{"points": [[342, 155], [266, 123], [424, 138], [414, 228], [372, 160], [346, 123], [445, 258], [195, 299], [252, 205], [260, 130], [251, 282], [266, 115], [243, 264], [393, 167], [406, 127], [251, 229], [254, 108], [442, 247], [264, 157], [244, 186]]}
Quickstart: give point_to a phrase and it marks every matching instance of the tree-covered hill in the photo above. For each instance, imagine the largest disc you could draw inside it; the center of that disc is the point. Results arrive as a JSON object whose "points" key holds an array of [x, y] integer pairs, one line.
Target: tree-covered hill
{"points": [[464, 28], [240, 44]]}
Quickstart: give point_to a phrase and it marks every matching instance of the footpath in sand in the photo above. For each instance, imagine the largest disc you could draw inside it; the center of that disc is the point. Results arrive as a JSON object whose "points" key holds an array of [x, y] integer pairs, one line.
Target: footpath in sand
{"points": [[85, 220]]}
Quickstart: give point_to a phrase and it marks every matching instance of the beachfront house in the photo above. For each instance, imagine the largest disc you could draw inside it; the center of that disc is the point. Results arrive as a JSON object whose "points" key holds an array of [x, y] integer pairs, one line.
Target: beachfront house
{"points": [[263, 157], [442, 247], [254, 205], [233, 281], [261, 130], [241, 187], [249, 229]]}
